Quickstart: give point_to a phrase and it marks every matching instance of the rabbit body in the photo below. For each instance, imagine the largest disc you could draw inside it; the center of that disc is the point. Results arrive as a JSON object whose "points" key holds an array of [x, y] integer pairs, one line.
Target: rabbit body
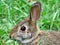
{"points": [[46, 38], [26, 32], [51, 38]]}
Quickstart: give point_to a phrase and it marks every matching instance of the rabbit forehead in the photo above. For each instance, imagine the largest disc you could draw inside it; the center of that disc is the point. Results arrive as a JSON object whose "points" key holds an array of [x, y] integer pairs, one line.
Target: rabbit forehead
{"points": [[25, 22]]}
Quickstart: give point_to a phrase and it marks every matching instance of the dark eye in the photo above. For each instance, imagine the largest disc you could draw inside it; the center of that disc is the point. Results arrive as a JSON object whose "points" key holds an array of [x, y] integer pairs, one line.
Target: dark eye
{"points": [[23, 28]]}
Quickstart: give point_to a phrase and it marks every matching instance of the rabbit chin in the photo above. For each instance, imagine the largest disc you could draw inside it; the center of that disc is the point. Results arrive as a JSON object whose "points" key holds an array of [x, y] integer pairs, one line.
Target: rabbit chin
{"points": [[24, 40]]}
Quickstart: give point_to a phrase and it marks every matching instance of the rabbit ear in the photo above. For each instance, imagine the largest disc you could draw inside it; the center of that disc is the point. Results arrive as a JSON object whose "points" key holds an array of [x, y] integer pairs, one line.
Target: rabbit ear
{"points": [[35, 12]]}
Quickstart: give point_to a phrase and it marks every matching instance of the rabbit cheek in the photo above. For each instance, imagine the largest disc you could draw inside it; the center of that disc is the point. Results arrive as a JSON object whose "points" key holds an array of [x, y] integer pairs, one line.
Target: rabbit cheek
{"points": [[27, 36], [23, 35]]}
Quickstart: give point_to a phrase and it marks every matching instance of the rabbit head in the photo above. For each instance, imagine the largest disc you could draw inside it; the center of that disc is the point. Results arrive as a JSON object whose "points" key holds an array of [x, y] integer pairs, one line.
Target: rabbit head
{"points": [[25, 30]]}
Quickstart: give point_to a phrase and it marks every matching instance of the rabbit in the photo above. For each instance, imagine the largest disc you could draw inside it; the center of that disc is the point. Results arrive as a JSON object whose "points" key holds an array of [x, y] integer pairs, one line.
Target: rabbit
{"points": [[27, 32]]}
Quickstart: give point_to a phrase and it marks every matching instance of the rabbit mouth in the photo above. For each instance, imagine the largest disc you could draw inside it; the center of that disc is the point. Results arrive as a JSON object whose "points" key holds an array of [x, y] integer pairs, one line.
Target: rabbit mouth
{"points": [[26, 38], [23, 40]]}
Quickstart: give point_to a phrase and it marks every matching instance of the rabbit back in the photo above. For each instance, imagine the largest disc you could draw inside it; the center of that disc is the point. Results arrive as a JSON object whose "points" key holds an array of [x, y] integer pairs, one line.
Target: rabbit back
{"points": [[51, 38]]}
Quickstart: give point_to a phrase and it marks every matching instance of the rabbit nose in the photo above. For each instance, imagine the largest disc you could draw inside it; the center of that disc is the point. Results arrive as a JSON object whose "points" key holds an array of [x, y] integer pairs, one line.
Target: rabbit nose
{"points": [[9, 36]]}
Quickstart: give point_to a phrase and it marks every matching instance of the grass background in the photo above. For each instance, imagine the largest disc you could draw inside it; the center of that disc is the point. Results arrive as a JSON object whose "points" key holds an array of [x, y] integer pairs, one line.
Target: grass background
{"points": [[13, 11]]}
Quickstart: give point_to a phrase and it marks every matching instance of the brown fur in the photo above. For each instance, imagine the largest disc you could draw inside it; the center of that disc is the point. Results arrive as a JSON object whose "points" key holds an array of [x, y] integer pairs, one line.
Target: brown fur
{"points": [[32, 35]]}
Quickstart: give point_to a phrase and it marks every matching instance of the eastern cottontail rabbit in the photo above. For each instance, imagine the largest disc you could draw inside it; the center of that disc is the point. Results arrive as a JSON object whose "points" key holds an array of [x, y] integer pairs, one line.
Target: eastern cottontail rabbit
{"points": [[26, 32]]}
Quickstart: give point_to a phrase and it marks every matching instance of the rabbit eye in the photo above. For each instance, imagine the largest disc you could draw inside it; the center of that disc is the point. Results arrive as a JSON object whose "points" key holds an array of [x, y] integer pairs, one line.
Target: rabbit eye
{"points": [[23, 28]]}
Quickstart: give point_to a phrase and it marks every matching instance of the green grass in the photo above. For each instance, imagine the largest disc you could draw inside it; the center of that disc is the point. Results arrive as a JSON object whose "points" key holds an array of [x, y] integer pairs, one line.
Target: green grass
{"points": [[13, 11]]}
